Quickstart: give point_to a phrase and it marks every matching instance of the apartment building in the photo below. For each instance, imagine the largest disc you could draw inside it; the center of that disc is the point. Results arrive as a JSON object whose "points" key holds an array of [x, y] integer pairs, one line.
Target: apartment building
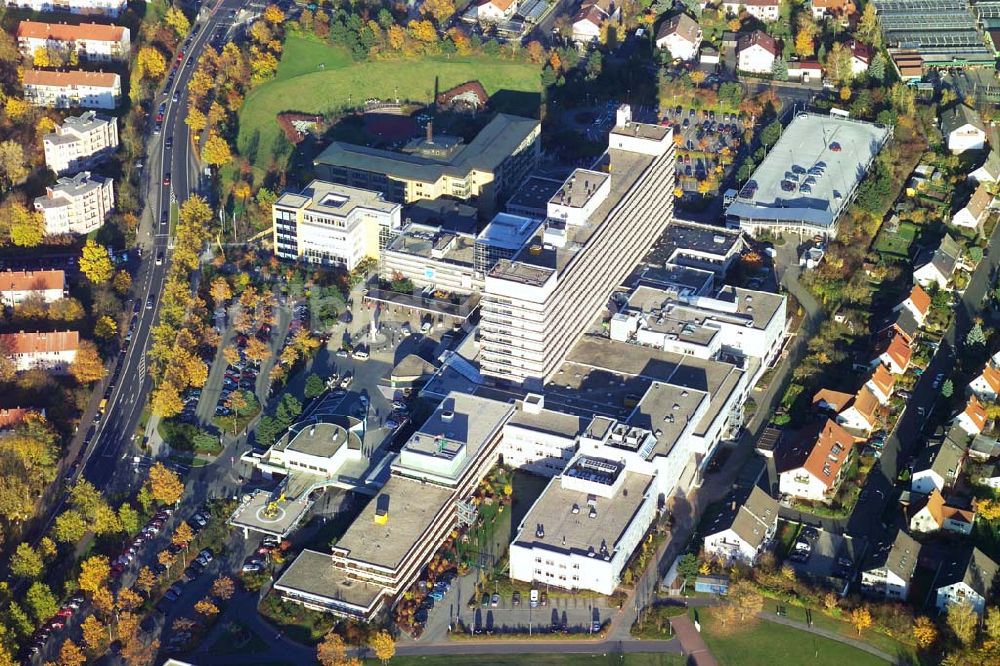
{"points": [[385, 548], [814, 470], [77, 204], [17, 286], [52, 352], [332, 224], [91, 42], [80, 142], [65, 90], [535, 305], [485, 170], [109, 8]]}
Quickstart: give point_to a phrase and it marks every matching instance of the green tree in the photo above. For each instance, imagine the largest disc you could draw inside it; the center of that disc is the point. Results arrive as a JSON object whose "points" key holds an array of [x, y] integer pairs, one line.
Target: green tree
{"points": [[975, 337], [128, 518], [948, 388], [780, 69], [688, 566], [868, 30], [314, 386], [26, 562], [41, 602], [876, 70], [69, 527], [770, 134], [176, 19]]}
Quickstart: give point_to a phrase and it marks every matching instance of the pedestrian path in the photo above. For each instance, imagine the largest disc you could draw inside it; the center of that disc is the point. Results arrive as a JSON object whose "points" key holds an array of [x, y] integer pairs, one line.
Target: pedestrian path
{"points": [[826, 633], [691, 642]]}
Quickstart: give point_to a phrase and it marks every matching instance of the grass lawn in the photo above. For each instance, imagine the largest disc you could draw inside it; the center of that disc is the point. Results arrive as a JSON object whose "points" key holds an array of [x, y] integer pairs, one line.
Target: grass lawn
{"points": [[501, 658], [896, 243], [316, 78], [766, 643]]}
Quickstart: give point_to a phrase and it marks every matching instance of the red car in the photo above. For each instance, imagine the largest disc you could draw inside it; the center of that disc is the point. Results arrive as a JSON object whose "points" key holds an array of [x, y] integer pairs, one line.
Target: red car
{"points": [[180, 56], [65, 612], [166, 180]]}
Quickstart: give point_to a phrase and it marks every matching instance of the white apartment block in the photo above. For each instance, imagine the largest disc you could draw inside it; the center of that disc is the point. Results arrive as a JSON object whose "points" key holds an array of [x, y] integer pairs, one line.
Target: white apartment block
{"points": [[76, 205], [92, 42], [65, 90], [18, 286], [765, 10], [53, 352], [540, 440], [110, 8], [333, 225], [80, 142], [537, 304]]}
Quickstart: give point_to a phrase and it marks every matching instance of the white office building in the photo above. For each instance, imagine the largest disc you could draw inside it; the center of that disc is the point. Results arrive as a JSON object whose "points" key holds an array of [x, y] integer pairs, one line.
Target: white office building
{"points": [[76, 205], [333, 225], [535, 305], [91, 42], [80, 142], [539, 440], [72, 89]]}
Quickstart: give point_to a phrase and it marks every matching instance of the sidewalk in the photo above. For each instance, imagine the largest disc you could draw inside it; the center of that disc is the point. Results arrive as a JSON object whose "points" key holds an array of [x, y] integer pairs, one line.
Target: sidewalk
{"points": [[691, 642]]}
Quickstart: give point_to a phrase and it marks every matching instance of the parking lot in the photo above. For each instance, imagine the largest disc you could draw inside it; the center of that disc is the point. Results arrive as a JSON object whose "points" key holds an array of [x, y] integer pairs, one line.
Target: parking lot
{"points": [[704, 135]]}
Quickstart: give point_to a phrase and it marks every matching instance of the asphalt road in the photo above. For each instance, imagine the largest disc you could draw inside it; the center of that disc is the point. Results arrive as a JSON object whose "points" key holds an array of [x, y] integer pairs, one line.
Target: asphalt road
{"points": [[113, 439]]}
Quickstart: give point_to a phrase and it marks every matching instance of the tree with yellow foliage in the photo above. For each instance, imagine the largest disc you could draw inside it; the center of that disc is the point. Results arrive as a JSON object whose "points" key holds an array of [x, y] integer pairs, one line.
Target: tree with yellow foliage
{"points": [[106, 327], [166, 400], [860, 619], [383, 645], [165, 485], [16, 108], [182, 536], [925, 632], [441, 10], [423, 31], [206, 608], [128, 599], [176, 19], [988, 509], [396, 37], [146, 579], [95, 633], [27, 227], [87, 366], [95, 262], [332, 651], [94, 572], [45, 125], [216, 151], [150, 63], [274, 15], [70, 654]]}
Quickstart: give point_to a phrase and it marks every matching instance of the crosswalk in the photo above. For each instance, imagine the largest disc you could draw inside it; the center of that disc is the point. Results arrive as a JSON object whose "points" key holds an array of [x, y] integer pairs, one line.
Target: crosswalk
{"points": [[142, 367]]}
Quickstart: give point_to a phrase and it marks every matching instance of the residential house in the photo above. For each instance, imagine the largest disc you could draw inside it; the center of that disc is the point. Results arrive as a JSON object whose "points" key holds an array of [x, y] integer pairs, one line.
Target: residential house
{"points": [[990, 476], [989, 172], [894, 354], [75, 88], [966, 576], [918, 303], [81, 141], [861, 415], [986, 386], [881, 384], [890, 566], [744, 528], [90, 42], [832, 401], [590, 19], [934, 513], [963, 128], [18, 286], [937, 266], [899, 323], [936, 468], [495, 11], [12, 417], [974, 213], [861, 57], [76, 205], [109, 8], [813, 471], [756, 53], [983, 448], [972, 419], [53, 352], [839, 9], [681, 35], [765, 10]]}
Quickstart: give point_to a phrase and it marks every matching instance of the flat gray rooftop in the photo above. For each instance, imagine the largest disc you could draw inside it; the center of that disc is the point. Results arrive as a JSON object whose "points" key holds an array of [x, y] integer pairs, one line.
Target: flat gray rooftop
{"points": [[550, 421], [534, 193], [322, 440], [841, 148], [251, 514], [336, 200], [312, 573], [412, 506], [435, 245], [667, 408], [579, 188], [565, 531], [464, 418]]}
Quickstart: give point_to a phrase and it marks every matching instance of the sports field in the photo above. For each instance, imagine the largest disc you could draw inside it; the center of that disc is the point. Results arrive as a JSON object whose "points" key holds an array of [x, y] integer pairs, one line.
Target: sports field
{"points": [[315, 78]]}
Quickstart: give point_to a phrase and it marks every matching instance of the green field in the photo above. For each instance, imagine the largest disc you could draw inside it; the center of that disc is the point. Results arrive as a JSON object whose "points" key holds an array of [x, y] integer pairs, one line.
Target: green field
{"points": [[316, 78], [766, 643], [896, 243], [500, 658]]}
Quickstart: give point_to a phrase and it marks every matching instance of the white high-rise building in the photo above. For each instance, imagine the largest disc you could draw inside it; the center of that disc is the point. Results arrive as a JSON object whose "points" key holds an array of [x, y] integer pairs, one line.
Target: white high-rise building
{"points": [[80, 142], [599, 226], [333, 224], [76, 205]]}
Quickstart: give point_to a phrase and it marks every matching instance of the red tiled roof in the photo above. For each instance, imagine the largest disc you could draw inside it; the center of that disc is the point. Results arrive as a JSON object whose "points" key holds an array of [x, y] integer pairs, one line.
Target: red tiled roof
{"points": [[11, 417], [36, 343], [866, 404], [63, 32], [829, 453], [920, 299], [976, 413], [899, 351], [836, 400], [40, 77], [992, 378], [760, 38], [32, 280], [883, 379]]}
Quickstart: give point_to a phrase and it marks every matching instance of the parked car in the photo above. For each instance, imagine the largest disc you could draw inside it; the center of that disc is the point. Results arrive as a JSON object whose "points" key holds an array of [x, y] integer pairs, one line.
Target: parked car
{"points": [[533, 598]]}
